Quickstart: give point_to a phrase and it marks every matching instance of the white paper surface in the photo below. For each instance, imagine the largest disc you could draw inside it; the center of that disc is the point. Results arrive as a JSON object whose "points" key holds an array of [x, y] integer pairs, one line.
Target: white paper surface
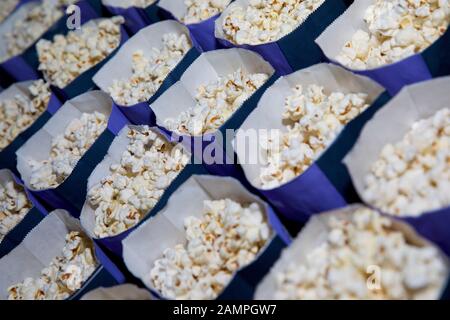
{"points": [[120, 66], [207, 68], [39, 145], [118, 3], [37, 250], [268, 113], [314, 234], [165, 230], [392, 122], [121, 292], [176, 7]]}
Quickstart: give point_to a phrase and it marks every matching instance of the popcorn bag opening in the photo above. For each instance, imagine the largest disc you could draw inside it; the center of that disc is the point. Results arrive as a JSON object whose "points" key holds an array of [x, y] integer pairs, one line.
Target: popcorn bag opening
{"points": [[24, 108], [55, 261], [400, 162], [216, 93], [19, 213], [199, 16], [56, 162], [144, 67], [29, 23], [245, 238], [70, 60], [123, 292], [356, 253], [311, 119], [395, 43], [132, 183], [137, 13], [289, 46]]}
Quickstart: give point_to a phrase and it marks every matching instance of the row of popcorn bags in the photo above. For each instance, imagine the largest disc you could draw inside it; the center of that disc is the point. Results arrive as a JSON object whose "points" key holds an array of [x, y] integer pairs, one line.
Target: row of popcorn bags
{"points": [[19, 213], [134, 180], [213, 97], [137, 13], [396, 43], [306, 123], [287, 41], [70, 59], [400, 163], [145, 66], [24, 108], [357, 253], [57, 160], [56, 261], [21, 31], [212, 240], [198, 16]]}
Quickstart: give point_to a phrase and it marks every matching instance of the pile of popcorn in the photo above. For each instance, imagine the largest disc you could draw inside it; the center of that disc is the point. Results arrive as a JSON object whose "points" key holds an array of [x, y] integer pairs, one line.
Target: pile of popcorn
{"points": [[412, 176], [201, 10], [6, 7], [364, 257], [135, 185], [14, 205], [36, 22], [19, 113], [216, 102], [396, 29], [226, 238], [65, 274], [64, 59], [66, 150], [314, 121], [264, 21], [149, 73]]}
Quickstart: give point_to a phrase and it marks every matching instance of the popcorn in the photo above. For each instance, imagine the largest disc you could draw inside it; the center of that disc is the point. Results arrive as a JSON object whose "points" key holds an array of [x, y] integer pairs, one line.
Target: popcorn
{"points": [[264, 21], [397, 29], [67, 57], [19, 113], [314, 120], [149, 73], [136, 3], [200, 10], [36, 22], [14, 205], [67, 149], [65, 274], [226, 238], [216, 102], [136, 184], [412, 176], [6, 7], [340, 268]]}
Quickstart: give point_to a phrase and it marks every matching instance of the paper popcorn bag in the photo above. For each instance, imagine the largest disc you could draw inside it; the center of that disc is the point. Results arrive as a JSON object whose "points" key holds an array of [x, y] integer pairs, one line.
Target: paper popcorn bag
{"points": [[24, 66], [297, 49], [202, 31], [26, 209], [324, 183], [148, 242], [21, 93], [211, 146], [389, 126], [430, 63], [313, 244], [121, 67], [65, 84], [136, 17], [46, 242], [122, 292], [78, 120], [123, 183]]}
